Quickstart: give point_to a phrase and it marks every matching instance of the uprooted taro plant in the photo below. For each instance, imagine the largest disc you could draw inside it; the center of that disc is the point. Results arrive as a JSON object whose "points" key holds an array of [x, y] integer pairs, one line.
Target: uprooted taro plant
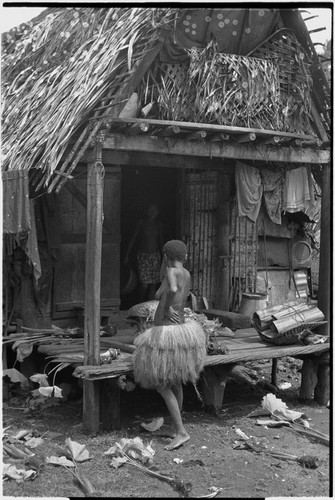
{"points": [[281, 416], [44, 395]]}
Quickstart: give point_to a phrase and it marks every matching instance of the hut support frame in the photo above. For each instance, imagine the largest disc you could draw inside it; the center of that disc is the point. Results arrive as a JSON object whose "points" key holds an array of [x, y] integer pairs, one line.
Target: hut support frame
{"points": [[91, 390]]}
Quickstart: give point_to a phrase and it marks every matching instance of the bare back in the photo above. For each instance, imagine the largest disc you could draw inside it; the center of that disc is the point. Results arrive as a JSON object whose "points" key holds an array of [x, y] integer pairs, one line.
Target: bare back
{"points": [[172, 295]]}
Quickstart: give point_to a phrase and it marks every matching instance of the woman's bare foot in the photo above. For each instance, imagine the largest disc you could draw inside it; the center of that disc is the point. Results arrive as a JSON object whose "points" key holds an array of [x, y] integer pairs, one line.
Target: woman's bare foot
{"points": [[178, 440]]}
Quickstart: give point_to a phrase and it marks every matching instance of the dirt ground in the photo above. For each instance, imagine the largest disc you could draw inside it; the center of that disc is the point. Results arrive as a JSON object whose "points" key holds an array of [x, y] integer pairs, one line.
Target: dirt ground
{"points": [[208, 460]]}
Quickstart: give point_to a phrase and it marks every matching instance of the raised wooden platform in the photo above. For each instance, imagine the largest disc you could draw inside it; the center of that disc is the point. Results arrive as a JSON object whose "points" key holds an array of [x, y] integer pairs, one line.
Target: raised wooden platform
{"points": [[246, 345]]}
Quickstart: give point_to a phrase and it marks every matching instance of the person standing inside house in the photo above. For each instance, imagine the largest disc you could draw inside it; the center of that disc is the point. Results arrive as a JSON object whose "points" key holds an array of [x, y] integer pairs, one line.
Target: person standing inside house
{"points": [[172, 352], [148, 236]]}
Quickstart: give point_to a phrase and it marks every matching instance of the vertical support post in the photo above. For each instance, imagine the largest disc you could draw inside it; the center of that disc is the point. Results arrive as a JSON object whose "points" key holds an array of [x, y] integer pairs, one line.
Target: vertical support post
{"points": [[95, 184], [325, 250], [110, 405], [223, 241], [213, 384], [309, 378]]}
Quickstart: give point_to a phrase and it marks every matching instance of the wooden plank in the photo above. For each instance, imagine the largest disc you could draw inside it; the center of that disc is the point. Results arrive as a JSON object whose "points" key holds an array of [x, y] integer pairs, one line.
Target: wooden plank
{"points": [[245, 151], [212, 128], [83, 201]]}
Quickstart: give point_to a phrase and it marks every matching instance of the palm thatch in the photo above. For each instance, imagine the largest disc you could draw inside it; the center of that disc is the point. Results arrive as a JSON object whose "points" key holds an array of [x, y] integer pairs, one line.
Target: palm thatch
{"points": [[69, 65], [270, 90], [60, 68]]}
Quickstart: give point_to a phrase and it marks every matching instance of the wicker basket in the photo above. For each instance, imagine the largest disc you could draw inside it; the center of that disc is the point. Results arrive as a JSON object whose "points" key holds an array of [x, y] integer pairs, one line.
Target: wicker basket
{"points": [[291, 336]]}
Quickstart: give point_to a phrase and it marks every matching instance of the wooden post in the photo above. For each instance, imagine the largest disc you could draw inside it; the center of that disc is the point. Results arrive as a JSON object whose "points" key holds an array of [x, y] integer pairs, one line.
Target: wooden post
{"points": [[223, 241], [213, 384], [322, 389], [309, 379], [110, 404], [325, 251], [92, 288]]}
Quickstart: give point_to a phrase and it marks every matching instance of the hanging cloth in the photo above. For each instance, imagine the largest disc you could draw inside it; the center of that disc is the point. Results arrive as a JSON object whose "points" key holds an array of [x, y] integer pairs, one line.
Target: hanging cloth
{"points": [[15, 203], [298, 190], [249, 190], [273, 183]]}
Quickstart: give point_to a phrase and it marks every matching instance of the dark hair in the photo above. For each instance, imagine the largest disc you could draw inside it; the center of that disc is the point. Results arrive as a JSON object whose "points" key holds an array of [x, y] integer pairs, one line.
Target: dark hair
{"points": [[175, 250]]}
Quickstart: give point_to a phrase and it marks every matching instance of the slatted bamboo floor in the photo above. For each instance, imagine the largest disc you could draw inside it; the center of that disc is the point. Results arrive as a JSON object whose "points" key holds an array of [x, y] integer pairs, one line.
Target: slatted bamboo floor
{"points": [[245, 346]]}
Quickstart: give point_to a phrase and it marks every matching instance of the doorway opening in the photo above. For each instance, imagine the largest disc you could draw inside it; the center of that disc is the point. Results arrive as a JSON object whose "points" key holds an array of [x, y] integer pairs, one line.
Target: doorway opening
{"points": [[141, 187]]}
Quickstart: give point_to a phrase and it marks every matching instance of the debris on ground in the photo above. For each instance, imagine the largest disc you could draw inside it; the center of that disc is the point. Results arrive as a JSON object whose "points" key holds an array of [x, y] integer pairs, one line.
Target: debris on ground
{"points": [[293, 420], [130, 448], [15, 377], [11, 472], [154, 425], [258, 445]]}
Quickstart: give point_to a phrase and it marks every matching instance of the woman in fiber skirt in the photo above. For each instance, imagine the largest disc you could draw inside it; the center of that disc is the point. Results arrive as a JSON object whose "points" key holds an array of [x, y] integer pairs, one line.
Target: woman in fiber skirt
{"points": [[172, 352]]}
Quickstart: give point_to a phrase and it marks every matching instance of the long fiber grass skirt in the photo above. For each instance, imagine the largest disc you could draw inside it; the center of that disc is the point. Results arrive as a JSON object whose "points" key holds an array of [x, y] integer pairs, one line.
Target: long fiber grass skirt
{"points": [[166, 355]]}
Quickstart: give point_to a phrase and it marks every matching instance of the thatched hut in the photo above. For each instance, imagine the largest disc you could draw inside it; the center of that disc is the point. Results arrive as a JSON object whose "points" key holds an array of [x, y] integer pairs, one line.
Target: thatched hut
{"points": [[106, 109]]}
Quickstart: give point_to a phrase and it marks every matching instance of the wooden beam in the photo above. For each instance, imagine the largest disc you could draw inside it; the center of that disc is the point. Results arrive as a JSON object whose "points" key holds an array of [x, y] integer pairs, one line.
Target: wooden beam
{"points": [[198, 135], [171, 130], [138, 128], [312, 143], [236, 151], [272, 140], [247, 137], [210, 128], [219, 137], [161, 160]]}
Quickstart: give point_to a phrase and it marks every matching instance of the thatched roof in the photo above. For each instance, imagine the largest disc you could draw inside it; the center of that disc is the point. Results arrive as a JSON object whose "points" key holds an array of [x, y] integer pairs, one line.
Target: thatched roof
{"points": [[60, 68], [57, 70]]}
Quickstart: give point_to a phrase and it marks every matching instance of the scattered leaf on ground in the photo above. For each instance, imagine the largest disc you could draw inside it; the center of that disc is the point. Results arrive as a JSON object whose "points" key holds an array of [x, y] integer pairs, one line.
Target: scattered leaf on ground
{"points": [[40, 378], [34, 442], [51, 392], [78, 451], [118, 461], [16, 377], [59, 461], [154, 425], [11, 472]]}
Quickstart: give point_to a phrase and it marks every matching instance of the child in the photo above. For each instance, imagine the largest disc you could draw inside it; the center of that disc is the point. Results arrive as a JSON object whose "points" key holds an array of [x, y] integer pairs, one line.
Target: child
{"points": [[172, 352]]}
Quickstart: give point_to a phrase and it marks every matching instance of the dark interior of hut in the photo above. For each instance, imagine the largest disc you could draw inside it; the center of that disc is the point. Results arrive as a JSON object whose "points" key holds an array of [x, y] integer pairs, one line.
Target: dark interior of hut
{"points": [[140, 187]]}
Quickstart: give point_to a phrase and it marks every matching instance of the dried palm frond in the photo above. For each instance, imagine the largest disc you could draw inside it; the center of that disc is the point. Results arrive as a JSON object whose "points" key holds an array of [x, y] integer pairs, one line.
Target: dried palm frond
{"points": [[56, 72], [228, 89]]}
